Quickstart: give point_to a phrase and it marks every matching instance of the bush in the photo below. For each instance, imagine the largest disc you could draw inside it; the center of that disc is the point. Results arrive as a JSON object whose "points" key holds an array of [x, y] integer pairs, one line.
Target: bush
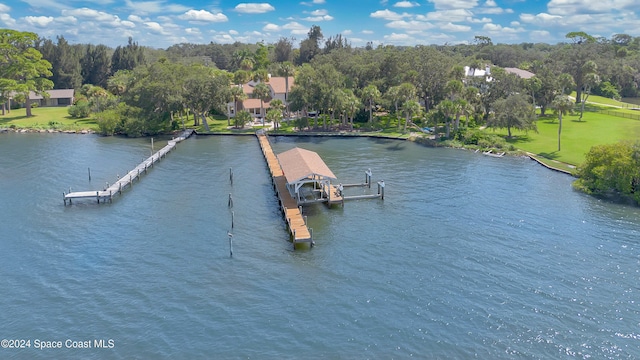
{"points": [[80, 110], [611, 170], [133, 127], [108, 122]]}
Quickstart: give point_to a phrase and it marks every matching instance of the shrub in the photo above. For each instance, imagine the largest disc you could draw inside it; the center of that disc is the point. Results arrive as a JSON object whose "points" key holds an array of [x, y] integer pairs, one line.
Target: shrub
{"points": [[80, 110], [108, 122]]}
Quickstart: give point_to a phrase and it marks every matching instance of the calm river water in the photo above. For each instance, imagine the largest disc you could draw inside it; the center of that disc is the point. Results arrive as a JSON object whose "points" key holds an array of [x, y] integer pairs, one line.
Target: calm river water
{"points": [[467, 257]]}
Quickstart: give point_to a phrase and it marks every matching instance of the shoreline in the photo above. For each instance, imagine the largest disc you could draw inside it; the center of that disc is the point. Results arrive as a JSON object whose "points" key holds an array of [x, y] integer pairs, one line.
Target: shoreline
{"points": [[416, 139]]}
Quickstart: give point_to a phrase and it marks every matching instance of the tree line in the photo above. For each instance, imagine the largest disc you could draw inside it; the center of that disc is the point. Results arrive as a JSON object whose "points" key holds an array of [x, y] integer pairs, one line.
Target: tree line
{"points": [[345, 84]]}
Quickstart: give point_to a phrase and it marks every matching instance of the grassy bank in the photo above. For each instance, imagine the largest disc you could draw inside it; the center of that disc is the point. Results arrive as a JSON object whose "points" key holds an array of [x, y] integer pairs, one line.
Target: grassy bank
{"points": [[54, 118], [577, 136]]}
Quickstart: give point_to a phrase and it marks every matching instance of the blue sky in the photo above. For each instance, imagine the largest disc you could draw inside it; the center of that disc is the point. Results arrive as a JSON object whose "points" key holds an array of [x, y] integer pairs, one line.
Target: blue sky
{"points": [[161, 23]]}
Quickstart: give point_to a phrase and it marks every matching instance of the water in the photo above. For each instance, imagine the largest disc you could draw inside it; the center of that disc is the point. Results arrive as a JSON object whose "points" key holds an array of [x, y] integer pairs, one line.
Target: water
{"points": [[467, 256]]}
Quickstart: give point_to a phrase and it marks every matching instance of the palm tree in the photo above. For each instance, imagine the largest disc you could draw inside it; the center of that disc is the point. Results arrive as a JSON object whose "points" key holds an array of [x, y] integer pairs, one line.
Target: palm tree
{"points": [[448, 109], [237, 94], [590, 80], [274, 115], [262, 92], [242, 118], [277, 105], [410, 108], [370, 95], [351, 104], [286, 69], [562, 105]]}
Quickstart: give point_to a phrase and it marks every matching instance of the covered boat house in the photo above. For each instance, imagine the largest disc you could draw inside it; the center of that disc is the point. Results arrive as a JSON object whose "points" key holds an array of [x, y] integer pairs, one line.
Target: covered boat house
{"points": [[308, 177]]}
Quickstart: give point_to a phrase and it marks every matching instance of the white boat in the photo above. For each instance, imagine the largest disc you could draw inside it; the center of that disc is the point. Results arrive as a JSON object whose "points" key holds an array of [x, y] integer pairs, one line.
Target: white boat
{"points": [[491, 153]]}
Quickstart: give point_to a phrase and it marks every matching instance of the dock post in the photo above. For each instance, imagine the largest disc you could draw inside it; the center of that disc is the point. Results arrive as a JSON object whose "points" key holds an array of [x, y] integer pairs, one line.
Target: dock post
{"points": [[130, 181], [89, 173], [305, 219], [152, 146], [120, 188], [311, 233], [231, 176], [110, 197], [381, 185], [230, 204], [64, 198], [230, 243], [232, 216], [98, 197]]}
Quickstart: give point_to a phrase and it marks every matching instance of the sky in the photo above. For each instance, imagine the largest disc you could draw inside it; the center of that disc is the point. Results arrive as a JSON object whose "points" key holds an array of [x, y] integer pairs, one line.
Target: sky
{"points": [[162, 23]]}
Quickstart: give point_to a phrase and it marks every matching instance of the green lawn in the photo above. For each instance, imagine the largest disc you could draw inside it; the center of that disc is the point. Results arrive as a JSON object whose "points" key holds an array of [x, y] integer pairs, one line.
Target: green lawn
{"points": [[46, 118], [577, 136], [606, 101]]}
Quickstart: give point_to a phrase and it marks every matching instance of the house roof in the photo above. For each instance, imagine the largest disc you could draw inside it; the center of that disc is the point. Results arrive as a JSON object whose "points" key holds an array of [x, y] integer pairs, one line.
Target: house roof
{"points": [[254, 104], [278, 84], [298, 164], [521, 73], [53, 94]]}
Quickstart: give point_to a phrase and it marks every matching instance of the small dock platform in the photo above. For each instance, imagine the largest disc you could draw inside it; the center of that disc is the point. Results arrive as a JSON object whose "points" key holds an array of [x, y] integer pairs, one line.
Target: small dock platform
{"points": [[296, 223], [127, 180]]}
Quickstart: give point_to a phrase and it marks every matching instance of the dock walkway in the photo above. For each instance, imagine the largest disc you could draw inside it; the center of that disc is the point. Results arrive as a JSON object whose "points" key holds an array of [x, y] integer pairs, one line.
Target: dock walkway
{"points": [[296, 223], [127, 179]]}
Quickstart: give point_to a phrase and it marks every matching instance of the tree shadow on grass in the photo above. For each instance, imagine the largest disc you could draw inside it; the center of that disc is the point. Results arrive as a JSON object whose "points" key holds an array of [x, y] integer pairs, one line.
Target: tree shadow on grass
{"points": [[517, 139], [551, 156]]}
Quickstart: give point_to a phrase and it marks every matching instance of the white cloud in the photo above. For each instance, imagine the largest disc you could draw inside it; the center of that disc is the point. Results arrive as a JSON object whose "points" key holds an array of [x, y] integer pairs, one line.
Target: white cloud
{"points": [[538, 35], [153, 7], [319, 18], [101, 17], [271, 28], [192, 31], [8, 20], [387, 15], [154, 26], [46, 4], [454, 4], [456, 15], [574, 7], [347, 32], [409, 25], [4, 8], [39, 21], [296, 28], [233, 32], [135, 18], [367, 32], [254, 8], [497, 28], [203, 15], [314, 2], [540, 19], [455, 27], [319, 15], [69, 20], [397, 37], [406, 4]]}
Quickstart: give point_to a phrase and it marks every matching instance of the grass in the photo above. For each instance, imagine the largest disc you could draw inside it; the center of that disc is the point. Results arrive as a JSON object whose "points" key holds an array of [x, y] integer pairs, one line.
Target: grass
{"points": [[56, 118], [595, 99], [577, 136]]}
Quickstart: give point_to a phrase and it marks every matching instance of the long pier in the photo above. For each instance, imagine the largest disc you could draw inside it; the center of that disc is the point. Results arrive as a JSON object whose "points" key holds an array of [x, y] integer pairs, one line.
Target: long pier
{"points": [[127, 180], [296, 223]]}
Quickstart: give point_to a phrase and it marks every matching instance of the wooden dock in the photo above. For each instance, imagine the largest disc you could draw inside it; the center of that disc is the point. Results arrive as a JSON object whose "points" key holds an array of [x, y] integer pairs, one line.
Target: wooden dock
{"points": [[126, 180], [296, 223]]}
